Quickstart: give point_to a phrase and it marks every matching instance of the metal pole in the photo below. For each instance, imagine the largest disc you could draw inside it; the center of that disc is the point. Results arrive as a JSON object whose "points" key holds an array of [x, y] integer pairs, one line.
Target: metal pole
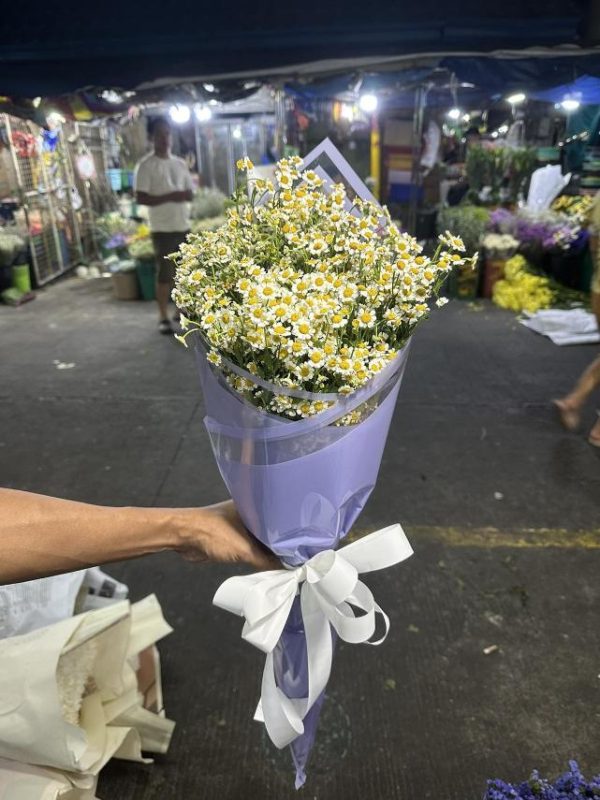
{"points": [[415, 183], [280, 133], [376, 155], [230, 160], [198, 143], [211, 157]]}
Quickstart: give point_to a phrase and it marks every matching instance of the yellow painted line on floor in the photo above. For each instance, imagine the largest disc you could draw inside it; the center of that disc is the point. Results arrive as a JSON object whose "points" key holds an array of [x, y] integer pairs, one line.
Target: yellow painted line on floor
{"points": [[493, 537]]}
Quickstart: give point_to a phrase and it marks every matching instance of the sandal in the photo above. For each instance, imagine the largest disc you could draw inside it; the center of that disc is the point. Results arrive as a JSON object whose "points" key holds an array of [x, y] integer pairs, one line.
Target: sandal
{"points": [[165, 327], [568, 416]]}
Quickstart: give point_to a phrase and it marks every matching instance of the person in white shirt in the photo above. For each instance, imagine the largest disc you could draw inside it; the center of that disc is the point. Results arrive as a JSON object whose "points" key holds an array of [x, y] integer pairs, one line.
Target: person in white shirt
{"points": [[164, 184]]}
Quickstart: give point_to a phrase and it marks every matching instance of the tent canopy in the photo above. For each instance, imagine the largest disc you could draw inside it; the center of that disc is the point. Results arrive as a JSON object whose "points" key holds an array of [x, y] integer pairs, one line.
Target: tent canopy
{"points": [[54, 48]]}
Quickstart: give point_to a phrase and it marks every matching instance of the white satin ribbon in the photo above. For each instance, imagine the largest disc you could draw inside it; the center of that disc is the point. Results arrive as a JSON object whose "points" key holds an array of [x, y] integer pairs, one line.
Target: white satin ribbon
{"points": [[329, 591]]}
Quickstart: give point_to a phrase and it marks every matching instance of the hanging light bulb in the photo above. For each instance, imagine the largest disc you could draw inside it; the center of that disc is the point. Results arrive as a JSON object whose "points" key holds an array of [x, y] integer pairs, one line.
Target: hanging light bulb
{"points": [[180, 114], [515, 99], [368, 103], [455, 113], [570, 104], [203, 113], [237, 132]]}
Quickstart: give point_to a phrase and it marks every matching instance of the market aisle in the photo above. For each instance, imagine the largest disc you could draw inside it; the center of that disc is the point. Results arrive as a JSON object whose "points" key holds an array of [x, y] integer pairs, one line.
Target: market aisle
{"points": [[473, 445]]}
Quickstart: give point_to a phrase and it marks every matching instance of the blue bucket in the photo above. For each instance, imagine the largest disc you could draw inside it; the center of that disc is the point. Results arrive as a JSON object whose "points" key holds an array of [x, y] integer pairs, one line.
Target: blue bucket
{"points": [[114, 178]]}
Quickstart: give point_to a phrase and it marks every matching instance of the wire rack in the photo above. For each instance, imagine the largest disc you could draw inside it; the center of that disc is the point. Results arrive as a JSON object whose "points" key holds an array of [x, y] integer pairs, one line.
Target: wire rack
{"points": [[97, 197], [45, 184]]}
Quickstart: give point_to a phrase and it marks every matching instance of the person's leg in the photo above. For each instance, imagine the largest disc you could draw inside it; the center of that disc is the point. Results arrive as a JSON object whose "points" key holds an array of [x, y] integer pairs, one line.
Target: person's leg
{"points": [[163, 294], [165, 243], [159, 241], [594, 437], [569, 407], [178, 239]]}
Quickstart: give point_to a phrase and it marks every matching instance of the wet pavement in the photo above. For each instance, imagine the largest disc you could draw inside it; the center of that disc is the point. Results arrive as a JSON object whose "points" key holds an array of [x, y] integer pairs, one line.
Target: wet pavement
{"points": [[501, 505]]}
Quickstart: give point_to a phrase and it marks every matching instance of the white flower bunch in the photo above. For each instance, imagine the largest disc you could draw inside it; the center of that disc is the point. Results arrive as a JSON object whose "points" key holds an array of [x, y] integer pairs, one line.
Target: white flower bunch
{"points": [[501, 245], [305, 289]]}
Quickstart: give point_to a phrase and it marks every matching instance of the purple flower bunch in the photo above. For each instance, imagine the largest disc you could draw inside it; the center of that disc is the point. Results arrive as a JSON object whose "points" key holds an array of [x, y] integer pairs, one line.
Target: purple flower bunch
{"points": [[570, 786], [548, 231], [117, 240]]}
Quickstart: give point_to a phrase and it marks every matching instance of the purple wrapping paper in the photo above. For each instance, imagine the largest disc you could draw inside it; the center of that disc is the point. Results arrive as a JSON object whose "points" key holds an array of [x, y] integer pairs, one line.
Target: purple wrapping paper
{"points": [[299, 486]]}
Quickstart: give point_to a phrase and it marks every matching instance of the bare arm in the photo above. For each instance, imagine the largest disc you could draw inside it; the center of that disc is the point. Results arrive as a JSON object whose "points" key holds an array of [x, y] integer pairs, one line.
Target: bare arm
{"points": [[42, 535], [145, 199]]}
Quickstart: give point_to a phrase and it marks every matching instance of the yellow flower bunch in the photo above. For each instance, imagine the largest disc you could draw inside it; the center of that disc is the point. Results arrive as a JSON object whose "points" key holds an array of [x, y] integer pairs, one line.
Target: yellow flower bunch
{"points": [[141, 232], [520, 290], [306, 288], [576, 206]]}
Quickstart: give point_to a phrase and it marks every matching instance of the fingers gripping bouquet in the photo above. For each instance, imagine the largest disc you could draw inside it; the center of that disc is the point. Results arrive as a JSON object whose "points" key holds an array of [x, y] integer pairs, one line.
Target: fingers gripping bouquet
{"points": [[303, 304]]}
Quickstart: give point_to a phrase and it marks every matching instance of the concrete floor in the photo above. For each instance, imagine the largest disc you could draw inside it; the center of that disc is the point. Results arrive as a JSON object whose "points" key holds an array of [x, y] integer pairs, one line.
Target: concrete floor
{"points": [[501, 505]]}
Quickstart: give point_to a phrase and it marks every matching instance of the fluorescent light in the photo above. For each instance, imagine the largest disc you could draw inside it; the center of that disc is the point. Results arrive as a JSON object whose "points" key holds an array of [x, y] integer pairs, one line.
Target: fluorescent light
{"points": [[180, 114], [503, 129], [570, 104], [466, 117], [210, 87], [368, 103], [494, 134], [237, 132], [515, 99], [455, 113], [203, 113]]}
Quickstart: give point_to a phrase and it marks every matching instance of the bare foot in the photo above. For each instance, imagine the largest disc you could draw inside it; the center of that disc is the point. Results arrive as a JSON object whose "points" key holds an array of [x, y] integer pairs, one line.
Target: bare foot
{"points": [[569, 414]]}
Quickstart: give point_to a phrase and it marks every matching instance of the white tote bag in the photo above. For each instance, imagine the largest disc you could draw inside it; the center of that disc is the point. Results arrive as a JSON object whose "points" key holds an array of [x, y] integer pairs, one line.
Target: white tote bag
{"points": [[69, 695]]}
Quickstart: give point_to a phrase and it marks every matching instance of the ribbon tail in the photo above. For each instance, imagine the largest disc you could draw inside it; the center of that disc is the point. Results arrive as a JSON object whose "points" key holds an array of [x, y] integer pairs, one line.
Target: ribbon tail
{"points": [[378, 550], [319, 645], [281, 715]]}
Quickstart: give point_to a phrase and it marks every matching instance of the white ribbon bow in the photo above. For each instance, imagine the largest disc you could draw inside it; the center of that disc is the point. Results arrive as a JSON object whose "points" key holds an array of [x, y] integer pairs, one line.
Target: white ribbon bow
{"points": [[329, 589]]}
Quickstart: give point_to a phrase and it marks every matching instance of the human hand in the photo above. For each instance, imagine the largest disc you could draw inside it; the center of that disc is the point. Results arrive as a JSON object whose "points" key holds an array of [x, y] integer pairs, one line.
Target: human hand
{"points": [[216, 533]]}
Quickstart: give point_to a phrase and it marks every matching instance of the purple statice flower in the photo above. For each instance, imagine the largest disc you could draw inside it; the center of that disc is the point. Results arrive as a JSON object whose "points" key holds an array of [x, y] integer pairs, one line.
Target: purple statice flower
{"points": [[570, 786], [118, 240], [499, 790], [502, 220], [534, 232]]}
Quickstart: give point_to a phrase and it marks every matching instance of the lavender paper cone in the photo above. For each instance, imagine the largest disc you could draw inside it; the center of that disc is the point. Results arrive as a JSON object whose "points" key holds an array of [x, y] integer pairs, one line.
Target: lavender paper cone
{"points": [[299, 486]]}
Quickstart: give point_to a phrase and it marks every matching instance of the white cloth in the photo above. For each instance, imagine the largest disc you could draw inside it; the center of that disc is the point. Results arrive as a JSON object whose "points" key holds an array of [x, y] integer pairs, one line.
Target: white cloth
{"points": [[157, 176], [575, 326], [545, 185]]}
